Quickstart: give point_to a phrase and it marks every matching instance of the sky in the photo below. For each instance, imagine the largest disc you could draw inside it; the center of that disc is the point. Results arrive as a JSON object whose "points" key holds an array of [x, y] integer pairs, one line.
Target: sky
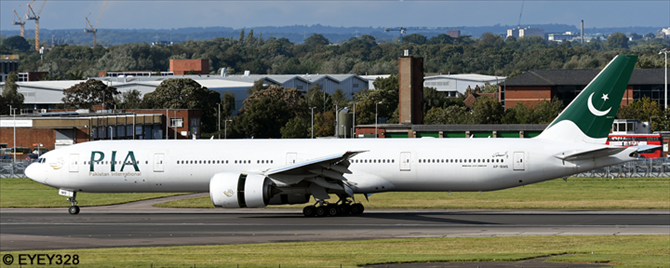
{"points": [[123, 14]]}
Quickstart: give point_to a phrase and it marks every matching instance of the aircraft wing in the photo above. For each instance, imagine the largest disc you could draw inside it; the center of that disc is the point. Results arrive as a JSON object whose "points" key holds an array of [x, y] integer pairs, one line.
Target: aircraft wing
{"points": [[331, 167]]}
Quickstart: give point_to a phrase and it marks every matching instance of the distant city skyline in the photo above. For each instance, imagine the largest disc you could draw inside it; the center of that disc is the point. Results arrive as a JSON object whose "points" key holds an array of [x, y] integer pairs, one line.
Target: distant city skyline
{"points": [[121, 14]]}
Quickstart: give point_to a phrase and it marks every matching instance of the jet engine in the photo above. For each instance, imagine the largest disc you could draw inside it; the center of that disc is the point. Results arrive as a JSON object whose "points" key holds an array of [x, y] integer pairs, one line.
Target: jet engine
{"points": [[236, 190]]}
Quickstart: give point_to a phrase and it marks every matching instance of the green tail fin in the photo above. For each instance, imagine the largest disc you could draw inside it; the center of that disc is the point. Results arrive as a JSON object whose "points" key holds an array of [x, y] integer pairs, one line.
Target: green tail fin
{"points": [[594, 109]]}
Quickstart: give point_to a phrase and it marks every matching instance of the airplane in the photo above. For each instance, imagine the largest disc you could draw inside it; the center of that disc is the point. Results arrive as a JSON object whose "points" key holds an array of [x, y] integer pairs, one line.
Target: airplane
{"points": [[258, 173]]}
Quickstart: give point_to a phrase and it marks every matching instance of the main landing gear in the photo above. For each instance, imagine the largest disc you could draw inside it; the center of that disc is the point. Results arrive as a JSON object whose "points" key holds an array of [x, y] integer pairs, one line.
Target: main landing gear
{"points": [[322, 208], [74, 209]]}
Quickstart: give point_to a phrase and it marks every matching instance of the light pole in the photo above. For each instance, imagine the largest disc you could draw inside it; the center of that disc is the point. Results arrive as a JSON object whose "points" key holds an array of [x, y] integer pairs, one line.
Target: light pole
{"points": [[376, 115], [312, 108], [13, 111], [665, 51], [337, 123], [218, 114], [167, 123], [225, 125]]}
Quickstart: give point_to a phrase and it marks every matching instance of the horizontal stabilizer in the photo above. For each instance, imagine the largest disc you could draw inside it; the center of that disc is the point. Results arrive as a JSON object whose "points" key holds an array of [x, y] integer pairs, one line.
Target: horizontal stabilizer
{"points": [[590, 153], [641, 148]]}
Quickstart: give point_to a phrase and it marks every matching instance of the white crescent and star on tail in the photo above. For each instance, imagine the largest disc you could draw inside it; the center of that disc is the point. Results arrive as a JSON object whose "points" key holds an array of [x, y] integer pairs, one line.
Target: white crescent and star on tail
{"points": [[593, 109]]}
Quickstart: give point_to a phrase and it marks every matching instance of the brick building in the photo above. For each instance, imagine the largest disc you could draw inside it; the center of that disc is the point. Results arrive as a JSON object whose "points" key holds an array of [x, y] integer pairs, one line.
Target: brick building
{"points": [[58, 129], [534, 86], [182, 67]]}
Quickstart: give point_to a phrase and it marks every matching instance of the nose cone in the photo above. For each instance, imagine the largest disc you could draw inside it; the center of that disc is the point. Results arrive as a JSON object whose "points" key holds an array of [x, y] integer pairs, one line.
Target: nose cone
{"points": [[32, 172]]}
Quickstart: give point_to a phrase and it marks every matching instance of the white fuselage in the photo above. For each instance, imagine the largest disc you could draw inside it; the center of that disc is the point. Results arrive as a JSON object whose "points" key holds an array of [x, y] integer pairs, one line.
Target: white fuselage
{"points": [[425, 164]]}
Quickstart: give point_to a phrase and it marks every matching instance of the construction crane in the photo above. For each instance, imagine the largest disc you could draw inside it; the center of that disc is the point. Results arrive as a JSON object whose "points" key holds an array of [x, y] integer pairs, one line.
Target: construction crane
{"points": [[520, 12], [403, 30], [94, 29], [36, 18], [20, 22]]}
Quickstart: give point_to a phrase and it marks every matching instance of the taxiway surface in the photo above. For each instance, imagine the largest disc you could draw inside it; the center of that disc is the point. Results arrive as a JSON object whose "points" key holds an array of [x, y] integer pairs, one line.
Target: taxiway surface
{"points": [[40, 229]]}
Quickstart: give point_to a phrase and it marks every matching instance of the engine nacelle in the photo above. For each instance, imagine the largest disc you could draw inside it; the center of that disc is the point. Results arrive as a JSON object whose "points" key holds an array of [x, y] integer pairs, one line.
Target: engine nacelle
{"points": [[236, 190]]}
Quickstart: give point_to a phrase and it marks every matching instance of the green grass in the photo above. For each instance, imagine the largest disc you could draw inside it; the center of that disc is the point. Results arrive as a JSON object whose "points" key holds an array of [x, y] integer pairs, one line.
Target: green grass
{"points": [[629, 251], [25, 193], [576, 193]]}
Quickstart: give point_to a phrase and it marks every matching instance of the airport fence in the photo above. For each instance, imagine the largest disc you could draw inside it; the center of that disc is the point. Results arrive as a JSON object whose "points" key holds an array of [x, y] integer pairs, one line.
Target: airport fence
{"points": [[9, 169], [659, 167]]}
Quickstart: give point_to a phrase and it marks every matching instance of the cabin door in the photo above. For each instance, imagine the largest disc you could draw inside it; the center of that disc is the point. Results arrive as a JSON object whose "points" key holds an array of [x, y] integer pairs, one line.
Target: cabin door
{"points": [[291, 158], [519, 159], [405, 161], [158, 162], [73, 162]]}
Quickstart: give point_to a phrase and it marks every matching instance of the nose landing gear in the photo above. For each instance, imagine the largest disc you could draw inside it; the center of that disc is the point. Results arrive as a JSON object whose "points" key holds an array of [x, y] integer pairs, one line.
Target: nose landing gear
{"points": [[74, 209]]}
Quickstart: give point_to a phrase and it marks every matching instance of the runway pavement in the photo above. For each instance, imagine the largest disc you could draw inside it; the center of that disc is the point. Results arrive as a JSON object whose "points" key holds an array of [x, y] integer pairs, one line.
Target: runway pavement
{"points": [[40, 229]]}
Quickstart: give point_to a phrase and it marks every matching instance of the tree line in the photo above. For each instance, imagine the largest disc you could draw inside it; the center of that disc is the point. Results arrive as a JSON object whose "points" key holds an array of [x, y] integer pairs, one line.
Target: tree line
{"points": [[488, 54]]}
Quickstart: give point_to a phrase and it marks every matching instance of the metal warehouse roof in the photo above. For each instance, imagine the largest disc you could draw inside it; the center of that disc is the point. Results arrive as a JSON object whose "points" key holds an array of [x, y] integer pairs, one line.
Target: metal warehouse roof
{"points": [[468, 77], [581, 77]]}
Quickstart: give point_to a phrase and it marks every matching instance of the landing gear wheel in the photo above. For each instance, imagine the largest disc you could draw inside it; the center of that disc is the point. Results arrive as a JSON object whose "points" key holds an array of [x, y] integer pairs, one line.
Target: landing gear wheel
{"points": [[321, 211], [332, 210], [344, 209], [74, 210], [309, 211], [357, 209]]}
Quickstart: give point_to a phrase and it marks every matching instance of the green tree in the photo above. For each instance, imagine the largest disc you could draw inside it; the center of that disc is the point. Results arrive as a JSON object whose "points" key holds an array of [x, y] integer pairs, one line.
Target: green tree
{"points": [[10, 93], [263, 118], [297, 127], [546, 111], [643, 109], [440, 39], [293, 98], [316, 97], [227, 105], [75, 75], [663, 121], [457, 115], [386, 92], [617, 40], [435, 116], [519, 114], [87, 94], [316, 40], [17, 42], [324, 124], [185, 93], [491, 40], [131, 99], [486, 110], [433, 98], [417, 39], [4, 106], [339, 98]]}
